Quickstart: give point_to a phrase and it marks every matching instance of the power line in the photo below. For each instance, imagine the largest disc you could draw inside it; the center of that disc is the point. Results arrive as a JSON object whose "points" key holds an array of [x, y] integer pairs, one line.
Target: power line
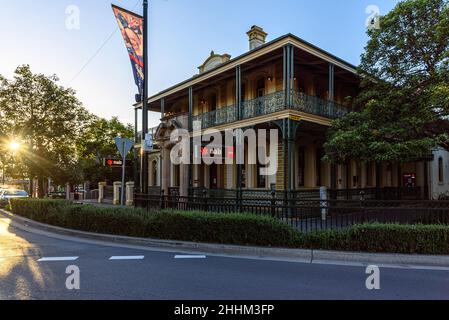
{"points": [[97, 51]]}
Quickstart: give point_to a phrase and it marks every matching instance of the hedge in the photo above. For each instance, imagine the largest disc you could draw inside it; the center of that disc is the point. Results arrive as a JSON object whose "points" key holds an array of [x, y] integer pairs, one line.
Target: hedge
{"points": [[236, 228], [387, 238]]}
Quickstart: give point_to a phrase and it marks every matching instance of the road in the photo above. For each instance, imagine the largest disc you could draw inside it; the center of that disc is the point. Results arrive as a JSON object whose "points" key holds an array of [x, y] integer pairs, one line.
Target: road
{"points": [[149, 274]]}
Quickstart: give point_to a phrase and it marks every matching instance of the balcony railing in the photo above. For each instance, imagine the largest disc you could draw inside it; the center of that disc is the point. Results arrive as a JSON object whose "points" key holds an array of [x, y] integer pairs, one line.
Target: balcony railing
{"points": [[317, 106], [215, 118], [269, 104]]}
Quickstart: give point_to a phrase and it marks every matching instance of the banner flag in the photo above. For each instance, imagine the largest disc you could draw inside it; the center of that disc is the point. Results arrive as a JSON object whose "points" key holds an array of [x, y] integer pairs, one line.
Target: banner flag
{"points": [[131, 27]]}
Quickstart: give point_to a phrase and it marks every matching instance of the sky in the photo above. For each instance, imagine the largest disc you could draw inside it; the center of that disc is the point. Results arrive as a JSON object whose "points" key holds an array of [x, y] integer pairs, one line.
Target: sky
{"points": [[92, 59]]}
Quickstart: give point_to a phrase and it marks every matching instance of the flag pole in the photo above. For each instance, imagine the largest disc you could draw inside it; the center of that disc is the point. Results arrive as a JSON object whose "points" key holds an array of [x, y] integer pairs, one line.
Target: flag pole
{"points": [[144, 163]]}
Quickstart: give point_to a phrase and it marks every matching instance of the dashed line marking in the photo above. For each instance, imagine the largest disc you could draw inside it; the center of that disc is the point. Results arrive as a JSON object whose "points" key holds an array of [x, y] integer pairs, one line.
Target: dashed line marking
{"points": [[189, 257], [126, 258], [55, 259]]}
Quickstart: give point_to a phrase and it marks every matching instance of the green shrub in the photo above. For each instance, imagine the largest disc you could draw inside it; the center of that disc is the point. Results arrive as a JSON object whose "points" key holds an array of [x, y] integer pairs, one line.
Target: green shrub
{"points": [[235, 228], [184, 226], [388, 238]]}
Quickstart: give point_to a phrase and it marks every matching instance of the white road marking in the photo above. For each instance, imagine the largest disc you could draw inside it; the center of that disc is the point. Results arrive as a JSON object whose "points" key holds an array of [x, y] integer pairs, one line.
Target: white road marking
{"points": [[127, 258], [52, 259], [189, 257]]}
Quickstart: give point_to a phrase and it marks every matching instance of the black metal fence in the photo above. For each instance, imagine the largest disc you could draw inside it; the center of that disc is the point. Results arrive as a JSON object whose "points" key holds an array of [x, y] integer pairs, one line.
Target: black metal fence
{"points": [[386, 193], [309, 214]]}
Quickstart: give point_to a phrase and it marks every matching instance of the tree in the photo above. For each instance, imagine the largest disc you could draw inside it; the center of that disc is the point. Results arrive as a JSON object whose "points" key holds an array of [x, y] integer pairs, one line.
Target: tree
{"points": [[97, 142], [47, 118], [404, 98]]}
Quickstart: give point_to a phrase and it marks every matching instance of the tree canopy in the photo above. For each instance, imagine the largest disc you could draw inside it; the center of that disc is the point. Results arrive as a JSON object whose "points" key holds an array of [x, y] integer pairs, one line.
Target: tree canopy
{"points": [[60, 138], [404, 94], [97, 142]]}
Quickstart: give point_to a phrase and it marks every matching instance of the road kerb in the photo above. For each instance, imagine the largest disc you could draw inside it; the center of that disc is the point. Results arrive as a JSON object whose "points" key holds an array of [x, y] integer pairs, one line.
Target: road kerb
{"points": [[283, 254]]}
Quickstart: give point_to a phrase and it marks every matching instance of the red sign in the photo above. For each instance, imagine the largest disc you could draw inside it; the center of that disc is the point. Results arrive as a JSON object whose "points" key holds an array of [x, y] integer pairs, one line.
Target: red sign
{"points": [[230, 152]]}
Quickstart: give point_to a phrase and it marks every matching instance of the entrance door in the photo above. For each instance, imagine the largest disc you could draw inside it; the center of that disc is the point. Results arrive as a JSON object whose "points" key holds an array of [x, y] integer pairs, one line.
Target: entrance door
{"points": [[213, 176]]}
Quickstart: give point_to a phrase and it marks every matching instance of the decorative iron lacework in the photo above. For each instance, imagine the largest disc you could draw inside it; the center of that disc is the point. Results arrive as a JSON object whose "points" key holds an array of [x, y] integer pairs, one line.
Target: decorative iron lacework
{"points": [[272, 103]]}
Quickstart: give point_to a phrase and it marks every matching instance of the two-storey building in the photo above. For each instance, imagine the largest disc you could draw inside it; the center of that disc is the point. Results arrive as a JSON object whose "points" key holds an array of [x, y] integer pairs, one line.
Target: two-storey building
{"points": [[286, 84]]}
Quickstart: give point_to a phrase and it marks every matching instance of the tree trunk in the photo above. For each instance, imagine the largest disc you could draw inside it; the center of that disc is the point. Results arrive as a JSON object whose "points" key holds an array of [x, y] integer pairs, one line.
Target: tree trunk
{"points": [[41, 186], [30, 189]]}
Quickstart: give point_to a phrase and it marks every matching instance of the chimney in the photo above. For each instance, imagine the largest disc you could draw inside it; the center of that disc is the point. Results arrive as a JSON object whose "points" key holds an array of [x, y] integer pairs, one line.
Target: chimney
{"points": [[256, 37]]}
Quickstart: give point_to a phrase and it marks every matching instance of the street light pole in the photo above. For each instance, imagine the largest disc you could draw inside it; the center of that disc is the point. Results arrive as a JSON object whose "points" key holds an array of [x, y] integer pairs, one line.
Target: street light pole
{"points": [[144, 163]]}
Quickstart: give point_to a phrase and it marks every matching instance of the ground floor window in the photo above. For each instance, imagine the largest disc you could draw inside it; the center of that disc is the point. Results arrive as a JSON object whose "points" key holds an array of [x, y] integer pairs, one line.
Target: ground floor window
{"points": [[176, 176], [301, 166], [369, 174], [319, 171]]}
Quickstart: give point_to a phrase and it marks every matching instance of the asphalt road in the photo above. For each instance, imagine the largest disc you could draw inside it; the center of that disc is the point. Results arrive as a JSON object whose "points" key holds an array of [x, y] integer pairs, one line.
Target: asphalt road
{"points": [[163, 276]]}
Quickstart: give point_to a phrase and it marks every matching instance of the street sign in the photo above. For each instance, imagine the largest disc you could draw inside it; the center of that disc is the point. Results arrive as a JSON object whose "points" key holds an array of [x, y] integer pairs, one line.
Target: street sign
{"points": [[148, 143], [115, 163], [124, 146]]}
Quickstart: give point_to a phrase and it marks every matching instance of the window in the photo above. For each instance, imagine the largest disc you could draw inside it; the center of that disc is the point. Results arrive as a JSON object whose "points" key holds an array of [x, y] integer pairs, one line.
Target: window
{"points": [[369, 174], [302, 166], [155, 165], [319, 174], [213, 102], [260, 90], [176, 175], [261, 179], [440, 170]]}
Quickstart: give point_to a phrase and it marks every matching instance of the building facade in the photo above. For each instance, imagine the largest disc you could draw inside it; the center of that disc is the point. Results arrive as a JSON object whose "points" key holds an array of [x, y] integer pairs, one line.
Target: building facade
{"points": [[289, 85]]}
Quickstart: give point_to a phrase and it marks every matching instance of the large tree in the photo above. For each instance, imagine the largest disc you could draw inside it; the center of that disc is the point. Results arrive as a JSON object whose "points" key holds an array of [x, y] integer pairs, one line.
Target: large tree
{"points": [[47, 118], [60, 139], [404, 98]]}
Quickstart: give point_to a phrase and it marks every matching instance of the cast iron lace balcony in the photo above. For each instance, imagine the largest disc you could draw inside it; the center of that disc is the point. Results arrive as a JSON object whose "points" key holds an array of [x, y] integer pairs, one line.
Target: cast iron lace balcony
{"points": [[317, 106], [269, 104], [217, 117]]}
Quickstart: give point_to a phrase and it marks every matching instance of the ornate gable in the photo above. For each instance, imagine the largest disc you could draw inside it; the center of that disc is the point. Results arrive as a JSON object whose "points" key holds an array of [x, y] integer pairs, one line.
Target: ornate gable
{"points": [[213, 61]]}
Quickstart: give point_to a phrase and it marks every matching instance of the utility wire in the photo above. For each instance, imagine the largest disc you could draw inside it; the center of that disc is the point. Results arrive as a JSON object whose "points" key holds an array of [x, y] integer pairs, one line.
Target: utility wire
{"points": [[97, 51]]}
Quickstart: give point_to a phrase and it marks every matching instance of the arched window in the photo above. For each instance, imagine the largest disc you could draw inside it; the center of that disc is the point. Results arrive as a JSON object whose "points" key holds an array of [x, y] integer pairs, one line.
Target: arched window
{"points": [[440, 170], [260, 89], [213, 102], [155, 171]]}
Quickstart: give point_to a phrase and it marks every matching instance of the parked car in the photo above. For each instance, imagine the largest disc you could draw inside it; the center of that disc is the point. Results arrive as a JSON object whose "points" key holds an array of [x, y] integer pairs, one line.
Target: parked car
{"points": [[8, 194]]}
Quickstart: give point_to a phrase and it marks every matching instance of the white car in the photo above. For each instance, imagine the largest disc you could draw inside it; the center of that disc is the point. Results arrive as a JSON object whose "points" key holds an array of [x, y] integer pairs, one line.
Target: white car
{"points": [[7, 194]]}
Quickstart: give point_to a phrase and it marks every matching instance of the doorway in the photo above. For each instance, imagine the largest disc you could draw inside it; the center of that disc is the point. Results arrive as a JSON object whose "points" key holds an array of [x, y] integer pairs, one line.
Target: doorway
{"points": [[213, 176]]}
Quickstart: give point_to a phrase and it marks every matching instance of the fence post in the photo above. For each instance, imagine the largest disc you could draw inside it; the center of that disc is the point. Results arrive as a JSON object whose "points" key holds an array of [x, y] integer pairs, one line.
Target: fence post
{"points": [[129, 194], [285, 209], [117, 193], [362, 204], [324, 203], [205, 208], [101, 191], [273, 203], [162, 202], [239, 200]]}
